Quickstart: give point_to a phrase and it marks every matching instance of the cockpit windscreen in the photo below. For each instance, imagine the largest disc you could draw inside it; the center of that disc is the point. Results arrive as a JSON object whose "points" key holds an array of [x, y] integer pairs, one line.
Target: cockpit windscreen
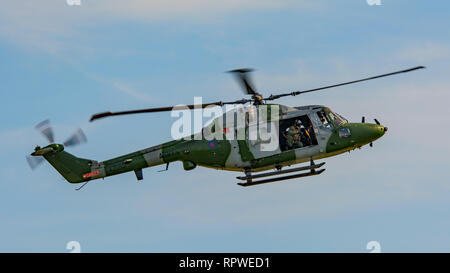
{"points": [[337, 119]]}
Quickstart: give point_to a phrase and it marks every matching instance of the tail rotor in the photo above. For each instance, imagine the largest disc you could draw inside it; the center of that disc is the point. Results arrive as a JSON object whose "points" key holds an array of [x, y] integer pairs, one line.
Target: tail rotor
{"points": [[34, 161], [46, 130], [77, 138]]}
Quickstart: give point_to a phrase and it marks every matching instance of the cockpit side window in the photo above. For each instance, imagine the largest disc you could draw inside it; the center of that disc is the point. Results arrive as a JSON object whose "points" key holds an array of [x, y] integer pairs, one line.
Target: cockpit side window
{"points": [[325, 122]]}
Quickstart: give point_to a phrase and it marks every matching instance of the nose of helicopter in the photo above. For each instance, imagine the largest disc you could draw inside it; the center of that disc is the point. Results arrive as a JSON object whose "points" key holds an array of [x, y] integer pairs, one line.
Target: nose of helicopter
{"points": [[373, 131], [381, 130]]}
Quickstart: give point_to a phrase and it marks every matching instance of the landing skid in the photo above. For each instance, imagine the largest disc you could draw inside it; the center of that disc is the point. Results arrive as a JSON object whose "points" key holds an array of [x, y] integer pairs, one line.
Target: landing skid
{"points": [[249, 177]]}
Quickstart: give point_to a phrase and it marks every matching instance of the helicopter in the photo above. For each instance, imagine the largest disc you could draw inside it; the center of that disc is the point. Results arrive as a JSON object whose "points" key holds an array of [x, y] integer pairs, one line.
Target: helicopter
{"points": [[302, 134]]}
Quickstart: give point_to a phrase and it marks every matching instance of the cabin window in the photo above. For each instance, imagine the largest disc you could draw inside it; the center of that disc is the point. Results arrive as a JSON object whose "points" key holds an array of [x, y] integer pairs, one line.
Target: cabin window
{"points": [[344, 133], [297, 132]]}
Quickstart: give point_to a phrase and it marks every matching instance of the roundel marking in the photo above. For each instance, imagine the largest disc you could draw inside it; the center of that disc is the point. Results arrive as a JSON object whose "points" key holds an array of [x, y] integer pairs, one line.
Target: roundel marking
{"points": [[212, 144]]}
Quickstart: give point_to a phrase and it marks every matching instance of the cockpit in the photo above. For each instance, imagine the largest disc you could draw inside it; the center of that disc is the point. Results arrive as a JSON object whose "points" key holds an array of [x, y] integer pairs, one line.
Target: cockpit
{"points": [[336, 118], [328, 119]]}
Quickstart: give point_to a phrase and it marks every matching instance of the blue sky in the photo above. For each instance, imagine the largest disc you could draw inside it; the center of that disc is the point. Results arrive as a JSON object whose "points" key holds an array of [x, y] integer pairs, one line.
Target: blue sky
{"points": [[67, 62]]}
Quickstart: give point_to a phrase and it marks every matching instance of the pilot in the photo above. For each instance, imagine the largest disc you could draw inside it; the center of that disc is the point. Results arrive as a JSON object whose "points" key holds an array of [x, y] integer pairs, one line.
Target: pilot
{"points": [[322, 119]]}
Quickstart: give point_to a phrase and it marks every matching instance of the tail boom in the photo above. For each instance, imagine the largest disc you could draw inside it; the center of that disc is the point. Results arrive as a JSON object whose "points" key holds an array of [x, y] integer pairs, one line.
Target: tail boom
{"points": [[77, 170]]}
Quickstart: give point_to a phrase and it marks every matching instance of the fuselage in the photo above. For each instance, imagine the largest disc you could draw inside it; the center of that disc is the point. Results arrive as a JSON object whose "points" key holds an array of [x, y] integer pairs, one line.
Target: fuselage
{"points": [[298, 134], [332, 137]]}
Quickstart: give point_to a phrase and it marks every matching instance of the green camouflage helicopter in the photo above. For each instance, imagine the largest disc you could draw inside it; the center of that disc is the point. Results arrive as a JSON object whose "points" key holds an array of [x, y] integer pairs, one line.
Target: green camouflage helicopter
{"points": [[303, 134]]}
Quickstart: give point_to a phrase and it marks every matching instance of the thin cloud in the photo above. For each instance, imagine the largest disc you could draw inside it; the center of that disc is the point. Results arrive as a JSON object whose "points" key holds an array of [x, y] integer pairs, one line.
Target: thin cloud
{"points": [[54, 26], [190, 10], [133, 93], [429, 51]]}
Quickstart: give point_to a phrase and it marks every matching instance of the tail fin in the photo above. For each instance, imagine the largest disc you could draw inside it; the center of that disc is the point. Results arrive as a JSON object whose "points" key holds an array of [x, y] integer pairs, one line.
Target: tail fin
{"points": [[72, 168]]}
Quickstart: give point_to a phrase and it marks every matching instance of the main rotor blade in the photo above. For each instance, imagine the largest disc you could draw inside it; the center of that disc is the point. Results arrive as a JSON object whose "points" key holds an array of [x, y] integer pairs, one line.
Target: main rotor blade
{"points": [[244, 80], [45, 128], [273, 97], [34, 161], [163, 109], [77, 138]]}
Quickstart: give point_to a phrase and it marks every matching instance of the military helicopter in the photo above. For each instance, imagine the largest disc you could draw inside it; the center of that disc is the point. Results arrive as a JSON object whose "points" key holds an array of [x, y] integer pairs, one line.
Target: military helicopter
{"points": [[303, 134]]}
